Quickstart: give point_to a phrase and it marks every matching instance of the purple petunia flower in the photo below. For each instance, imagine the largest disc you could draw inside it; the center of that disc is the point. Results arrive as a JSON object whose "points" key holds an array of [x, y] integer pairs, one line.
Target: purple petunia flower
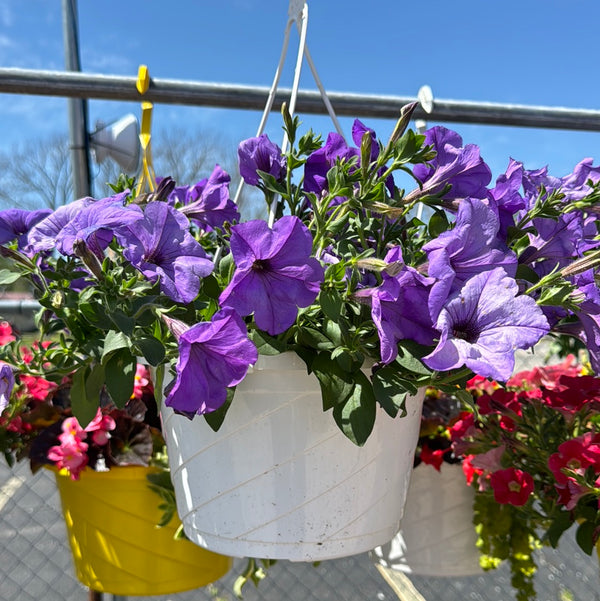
{"points": [[587, 326], [397, 309], [97, 224], [16, 223], [7, 383], [506, 197], [208, 202], [213, 355], [359, 129], [533, 179], [260, 154], [321, 161], [275, 272], [557, 243], [461, 167], [483, 324], [42, 236], [162, 248], [575, 185], [471, 247]]}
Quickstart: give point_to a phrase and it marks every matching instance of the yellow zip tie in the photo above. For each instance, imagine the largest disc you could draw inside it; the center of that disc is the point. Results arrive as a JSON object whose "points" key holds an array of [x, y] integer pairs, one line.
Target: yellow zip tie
{"points": [[147, 176]]}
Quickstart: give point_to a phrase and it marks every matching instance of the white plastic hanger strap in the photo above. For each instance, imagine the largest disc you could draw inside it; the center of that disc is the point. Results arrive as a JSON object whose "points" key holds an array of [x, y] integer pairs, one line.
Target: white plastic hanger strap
{"points": [[297, 13]]}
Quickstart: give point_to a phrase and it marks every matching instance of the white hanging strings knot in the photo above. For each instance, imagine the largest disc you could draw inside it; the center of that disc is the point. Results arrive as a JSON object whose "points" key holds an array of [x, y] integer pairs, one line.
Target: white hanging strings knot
{"points": [[297, 13]]}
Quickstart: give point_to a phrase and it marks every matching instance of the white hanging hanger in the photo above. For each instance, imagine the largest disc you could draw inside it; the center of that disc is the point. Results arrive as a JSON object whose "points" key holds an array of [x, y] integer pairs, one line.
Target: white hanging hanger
{"points": [[297, 13], [425, 98]]}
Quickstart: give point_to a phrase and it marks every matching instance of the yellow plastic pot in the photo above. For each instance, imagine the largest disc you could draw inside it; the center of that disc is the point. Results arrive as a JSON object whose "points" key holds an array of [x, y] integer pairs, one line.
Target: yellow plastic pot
{"points": [[117, 548]]}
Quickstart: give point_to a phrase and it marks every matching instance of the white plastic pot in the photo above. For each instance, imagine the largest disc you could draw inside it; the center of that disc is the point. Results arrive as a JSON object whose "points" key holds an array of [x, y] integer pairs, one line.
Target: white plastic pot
{"points": [[279, 480], [437, 535]]}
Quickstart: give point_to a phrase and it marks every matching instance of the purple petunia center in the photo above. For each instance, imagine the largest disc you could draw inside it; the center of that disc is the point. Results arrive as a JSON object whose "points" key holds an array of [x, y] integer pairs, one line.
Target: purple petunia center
{"points": [[260, 265], [466, 331]]}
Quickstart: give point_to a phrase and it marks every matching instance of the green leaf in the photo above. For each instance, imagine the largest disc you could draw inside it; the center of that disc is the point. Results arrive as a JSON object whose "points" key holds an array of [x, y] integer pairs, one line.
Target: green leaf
{"points": [[84, 405], [408, 361], [391, 390], [331, 303], [270, 183], [95, 314], [265, 344], [356, 416], [215, 418], [438, 223], [333, 331], [314, 339], [585, 537], [8, 277], [210, 287], [152, 349], [336, 383], [336, 271], [113, 342], [120, 376], [124, 322], [524, 272], [561, 521]]}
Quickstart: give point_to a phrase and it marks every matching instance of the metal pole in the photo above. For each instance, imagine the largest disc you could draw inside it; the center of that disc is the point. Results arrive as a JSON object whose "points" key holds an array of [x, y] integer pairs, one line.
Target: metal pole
{"points": [[77, 107], [198, 93]]}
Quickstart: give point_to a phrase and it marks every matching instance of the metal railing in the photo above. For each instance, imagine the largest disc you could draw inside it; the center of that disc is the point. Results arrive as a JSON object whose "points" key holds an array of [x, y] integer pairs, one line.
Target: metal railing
{"points": [[223, 95]]}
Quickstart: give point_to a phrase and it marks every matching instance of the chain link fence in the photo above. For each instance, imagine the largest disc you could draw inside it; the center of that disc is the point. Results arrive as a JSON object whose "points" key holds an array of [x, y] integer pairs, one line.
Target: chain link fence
{"points": [[35, 563]]}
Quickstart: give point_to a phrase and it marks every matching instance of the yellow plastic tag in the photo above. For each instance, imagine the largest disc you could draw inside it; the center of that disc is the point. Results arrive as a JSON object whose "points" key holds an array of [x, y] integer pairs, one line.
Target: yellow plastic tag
{"points": [[147, 177], [143, 79]]}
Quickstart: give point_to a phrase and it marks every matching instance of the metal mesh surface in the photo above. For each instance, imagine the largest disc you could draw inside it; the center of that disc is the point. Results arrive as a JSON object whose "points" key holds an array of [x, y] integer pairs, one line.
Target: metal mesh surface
{"points": [[35, 563]]}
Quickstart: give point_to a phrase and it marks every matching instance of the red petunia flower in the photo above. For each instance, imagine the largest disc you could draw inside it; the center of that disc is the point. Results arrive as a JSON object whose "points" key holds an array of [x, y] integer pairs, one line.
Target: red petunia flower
{"points": [[511, 486], [434, 457], [6, 333]]}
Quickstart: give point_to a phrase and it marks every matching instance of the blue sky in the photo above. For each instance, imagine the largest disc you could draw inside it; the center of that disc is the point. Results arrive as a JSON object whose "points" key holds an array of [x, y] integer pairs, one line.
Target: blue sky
{"points": [[529, 52]]}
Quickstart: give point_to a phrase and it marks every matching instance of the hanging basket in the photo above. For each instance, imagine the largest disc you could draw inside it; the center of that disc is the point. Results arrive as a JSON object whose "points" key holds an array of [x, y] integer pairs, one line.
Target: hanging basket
{"points": [[437, 536], [279, 480], [117, 548]]}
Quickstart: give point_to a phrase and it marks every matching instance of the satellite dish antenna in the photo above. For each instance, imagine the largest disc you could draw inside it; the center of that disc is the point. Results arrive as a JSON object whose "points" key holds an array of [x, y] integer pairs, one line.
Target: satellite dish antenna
{"points": [[118, 140]]}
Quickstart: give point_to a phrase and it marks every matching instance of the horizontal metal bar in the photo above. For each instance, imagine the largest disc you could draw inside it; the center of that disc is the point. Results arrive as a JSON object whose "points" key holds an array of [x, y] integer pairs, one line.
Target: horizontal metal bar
{"points": [[171, 91], [18, 307]]}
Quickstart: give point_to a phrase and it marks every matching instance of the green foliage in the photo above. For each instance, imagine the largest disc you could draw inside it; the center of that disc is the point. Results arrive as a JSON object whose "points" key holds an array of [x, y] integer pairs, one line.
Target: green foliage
{"points": [[504, 535]]}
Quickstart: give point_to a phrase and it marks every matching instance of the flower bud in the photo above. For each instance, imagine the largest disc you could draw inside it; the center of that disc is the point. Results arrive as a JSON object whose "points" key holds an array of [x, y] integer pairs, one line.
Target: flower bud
{"points": [[176, 326], [90, 260]]}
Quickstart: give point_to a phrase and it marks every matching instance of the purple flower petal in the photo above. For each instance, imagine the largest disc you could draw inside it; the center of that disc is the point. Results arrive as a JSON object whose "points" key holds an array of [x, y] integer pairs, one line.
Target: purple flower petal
{"points": [[260, 154], [483, 324], [208, 202], [471, 247], [275, 273], [42, 236], [7, 382], [213, 356], [462, 168], [16, 223], [162, 248]]}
